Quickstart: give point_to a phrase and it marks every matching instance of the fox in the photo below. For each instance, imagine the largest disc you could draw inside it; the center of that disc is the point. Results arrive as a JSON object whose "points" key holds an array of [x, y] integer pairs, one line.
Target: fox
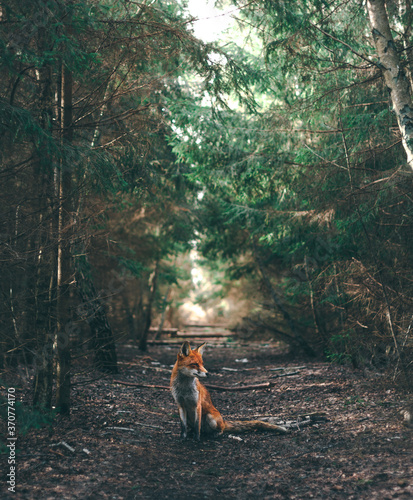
{"points": [[196, 410]]}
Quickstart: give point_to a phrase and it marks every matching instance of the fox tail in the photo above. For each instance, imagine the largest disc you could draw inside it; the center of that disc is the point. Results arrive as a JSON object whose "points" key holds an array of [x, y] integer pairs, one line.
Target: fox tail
{"points": [[250, 425]]}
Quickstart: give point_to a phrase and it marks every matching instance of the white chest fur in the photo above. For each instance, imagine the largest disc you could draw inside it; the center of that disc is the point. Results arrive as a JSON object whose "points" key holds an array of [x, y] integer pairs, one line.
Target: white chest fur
{"points": [[185, 391]]}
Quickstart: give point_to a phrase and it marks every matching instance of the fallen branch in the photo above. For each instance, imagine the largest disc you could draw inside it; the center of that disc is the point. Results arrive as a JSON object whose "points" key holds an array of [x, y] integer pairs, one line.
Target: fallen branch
{"points": [[288, 374], [298, 424], [63, 443], [146, 386], [120, 429], [288, 368], [299, 421], [148, 425], [264, 385], [316, 415], [156, 368]]}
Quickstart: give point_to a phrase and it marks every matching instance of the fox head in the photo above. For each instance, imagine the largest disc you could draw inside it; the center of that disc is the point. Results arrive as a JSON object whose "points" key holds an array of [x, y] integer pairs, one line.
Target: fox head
{"points": [[190, 361]]}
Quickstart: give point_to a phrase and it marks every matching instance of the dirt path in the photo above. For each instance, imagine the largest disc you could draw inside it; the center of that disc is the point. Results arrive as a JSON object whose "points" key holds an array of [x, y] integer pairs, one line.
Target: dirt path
{"points": [[126, 440]]}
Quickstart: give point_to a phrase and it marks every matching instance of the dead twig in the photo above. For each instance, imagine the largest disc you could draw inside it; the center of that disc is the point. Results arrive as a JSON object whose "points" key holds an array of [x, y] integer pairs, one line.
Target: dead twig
{"points": [[63, 443], [146, 386], [299, 421], [148, 425], [288, 374], [120, 429], [264, 385]]}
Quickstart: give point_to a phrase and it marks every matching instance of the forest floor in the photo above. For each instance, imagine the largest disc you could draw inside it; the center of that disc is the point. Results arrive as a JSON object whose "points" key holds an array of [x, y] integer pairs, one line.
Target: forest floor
{"points": [[125, 441]]}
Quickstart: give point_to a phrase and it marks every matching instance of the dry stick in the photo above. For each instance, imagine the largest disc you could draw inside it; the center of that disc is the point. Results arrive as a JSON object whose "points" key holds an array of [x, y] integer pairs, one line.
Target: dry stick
{"points": [[264, 385], [279, 369], [147, 386], [120, 429], [147, 425], [63, 443], [288, 374]]}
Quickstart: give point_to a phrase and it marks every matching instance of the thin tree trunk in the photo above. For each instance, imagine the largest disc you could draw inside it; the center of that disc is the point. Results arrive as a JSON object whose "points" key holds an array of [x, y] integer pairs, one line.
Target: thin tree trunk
{"points": [[44, 255], [164, 308], [129, 316], [299, 341], [101, 332], [64, 260], [103, 341], [319, 329], [393, 73], [44, 295], [143, 342]]}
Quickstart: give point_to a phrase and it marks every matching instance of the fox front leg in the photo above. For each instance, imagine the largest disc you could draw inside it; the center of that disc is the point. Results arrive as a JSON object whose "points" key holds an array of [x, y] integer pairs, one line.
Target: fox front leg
{"points": [[184, 422], [198, 422]]}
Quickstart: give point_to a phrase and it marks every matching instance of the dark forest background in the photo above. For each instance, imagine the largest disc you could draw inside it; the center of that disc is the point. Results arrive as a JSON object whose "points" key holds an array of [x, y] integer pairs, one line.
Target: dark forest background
{"points": [[273, 163]]}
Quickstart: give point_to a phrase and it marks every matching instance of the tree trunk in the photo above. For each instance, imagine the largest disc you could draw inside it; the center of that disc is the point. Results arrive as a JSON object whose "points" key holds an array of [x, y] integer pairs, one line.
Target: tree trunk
{"points": [[298, 342], [103, 341], [143, 342], [393, 72], [44, 255], [319, 328], [128, 311], [406, 11], [64, 259], [164, 308]]}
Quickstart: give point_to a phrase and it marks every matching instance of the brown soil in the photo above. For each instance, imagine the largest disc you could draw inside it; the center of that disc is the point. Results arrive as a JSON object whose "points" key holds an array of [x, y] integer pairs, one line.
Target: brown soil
{"points": [[361, 452]]}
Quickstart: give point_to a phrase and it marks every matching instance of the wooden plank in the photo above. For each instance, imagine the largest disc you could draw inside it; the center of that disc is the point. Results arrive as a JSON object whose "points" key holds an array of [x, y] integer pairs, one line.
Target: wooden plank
{"points": [[217, 342], [204, 335], [196, 325], [170, 331]]}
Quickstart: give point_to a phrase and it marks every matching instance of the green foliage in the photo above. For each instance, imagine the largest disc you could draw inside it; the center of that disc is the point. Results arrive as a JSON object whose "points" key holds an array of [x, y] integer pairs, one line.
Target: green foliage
{"points": [[277, 153], [310, 185], [339, 350]]}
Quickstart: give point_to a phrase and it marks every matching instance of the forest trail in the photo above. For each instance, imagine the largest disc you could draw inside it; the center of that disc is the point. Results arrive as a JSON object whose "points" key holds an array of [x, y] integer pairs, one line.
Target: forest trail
{"points": [[123, 442]]}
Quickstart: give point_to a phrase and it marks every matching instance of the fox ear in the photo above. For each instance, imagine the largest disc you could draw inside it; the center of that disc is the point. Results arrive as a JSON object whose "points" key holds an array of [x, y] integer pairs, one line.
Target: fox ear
{"points": [[185, 349], [200, 348]]}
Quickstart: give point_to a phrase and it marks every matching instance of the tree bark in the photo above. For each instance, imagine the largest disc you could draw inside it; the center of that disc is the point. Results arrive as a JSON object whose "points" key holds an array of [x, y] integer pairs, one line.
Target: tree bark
{"points": [[406, 11], [143, 341], [64, 259], [44, 255], [164, 308], [297, 342], [393, 73], [103, 341]]}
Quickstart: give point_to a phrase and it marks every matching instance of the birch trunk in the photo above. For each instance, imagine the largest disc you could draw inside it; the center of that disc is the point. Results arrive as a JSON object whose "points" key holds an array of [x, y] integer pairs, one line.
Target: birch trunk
{"points": [[394, 74]]}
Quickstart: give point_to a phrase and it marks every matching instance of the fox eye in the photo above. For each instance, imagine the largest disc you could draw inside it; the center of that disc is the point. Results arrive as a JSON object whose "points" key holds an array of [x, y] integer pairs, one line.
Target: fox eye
{"points": [[193, 365]]}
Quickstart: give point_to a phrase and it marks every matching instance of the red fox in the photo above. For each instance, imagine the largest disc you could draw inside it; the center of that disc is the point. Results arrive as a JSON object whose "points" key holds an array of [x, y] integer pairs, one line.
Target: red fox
{"points": [[194, 401]]}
